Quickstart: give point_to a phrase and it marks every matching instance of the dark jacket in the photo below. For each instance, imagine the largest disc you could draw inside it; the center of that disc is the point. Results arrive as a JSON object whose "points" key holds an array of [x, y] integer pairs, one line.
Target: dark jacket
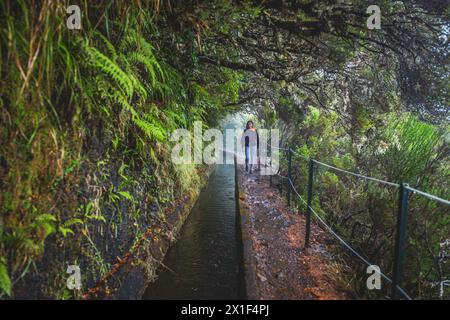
{"points": [[247, 139]]}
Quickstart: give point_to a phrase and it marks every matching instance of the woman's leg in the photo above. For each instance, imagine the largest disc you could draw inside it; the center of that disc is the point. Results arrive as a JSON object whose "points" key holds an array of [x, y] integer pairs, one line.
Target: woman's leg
{"points": [[253, 158], [247, 156]]}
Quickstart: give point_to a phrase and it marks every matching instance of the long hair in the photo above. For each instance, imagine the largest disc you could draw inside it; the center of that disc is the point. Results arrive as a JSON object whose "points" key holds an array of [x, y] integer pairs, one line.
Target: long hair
{"points": [[248, 122]]}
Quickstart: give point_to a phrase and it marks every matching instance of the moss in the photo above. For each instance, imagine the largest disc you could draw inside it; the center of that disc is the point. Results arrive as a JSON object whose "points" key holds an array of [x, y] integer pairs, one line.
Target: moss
{"points": [[85, 158]]}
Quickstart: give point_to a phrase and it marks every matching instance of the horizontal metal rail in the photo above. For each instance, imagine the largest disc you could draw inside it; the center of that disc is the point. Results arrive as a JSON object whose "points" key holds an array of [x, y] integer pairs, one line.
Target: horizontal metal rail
{"points": [[429, 196], [364, 177], [358, 175], [401, 222], [342, 241]]}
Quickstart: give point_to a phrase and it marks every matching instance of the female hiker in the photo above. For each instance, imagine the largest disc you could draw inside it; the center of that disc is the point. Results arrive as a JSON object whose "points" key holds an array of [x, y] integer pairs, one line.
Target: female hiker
{"points": [[250, 140]]}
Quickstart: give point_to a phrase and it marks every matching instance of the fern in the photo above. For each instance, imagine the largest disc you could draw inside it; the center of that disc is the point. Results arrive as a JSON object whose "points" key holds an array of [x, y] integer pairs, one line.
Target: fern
{"points": [[72, 221], [142, 53], [112, 69], [139, 57], [108, 45], [47, 222], [126, 105], [151, 129]]}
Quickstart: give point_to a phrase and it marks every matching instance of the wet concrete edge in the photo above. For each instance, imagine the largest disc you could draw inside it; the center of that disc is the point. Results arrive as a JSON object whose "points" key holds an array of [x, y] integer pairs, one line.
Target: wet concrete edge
{"points": [[243, 212]]}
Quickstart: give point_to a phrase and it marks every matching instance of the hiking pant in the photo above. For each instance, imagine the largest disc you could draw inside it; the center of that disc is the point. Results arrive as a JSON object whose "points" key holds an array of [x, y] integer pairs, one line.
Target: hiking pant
{"points": [[251, 155]]}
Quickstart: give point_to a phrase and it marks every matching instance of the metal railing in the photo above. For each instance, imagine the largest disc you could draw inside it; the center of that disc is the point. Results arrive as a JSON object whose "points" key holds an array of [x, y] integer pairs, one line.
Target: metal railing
{"points": [[402, 214]]}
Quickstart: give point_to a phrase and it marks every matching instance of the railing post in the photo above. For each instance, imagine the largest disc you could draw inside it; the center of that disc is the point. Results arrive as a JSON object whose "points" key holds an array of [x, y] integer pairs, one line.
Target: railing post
{"points": [[309, 202], [281, 181], [271, 173], [400, 237], [289, 190]]}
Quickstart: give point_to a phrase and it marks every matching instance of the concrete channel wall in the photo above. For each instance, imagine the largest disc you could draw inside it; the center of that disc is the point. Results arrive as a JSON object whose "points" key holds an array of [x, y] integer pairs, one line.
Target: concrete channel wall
{"points": [[243, 228]]}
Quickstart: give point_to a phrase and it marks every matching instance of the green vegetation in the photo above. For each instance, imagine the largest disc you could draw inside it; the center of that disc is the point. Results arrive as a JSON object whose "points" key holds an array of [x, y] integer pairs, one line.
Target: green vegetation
{"points": [[86, 120], [364, 213], [86, 117]]}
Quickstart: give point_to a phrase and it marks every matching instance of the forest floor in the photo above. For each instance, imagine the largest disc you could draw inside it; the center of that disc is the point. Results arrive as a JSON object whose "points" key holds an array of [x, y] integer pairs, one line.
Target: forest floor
{"points": [[284, 268]]}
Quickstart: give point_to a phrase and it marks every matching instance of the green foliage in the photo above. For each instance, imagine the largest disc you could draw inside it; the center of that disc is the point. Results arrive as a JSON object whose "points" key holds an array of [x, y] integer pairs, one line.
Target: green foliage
{"points": [[64, 227], [126, 195], [5, 281], [86, 116], [410, 148], [47, 222], [102, 62], [400, 149], [117, 82]]}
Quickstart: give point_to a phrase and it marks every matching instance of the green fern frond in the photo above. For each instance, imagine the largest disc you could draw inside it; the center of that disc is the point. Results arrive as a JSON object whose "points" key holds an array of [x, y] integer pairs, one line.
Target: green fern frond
{"points": [[133, 76], [150, 129], [112, 69], [126, 105], [139, 57], [108, 45]]}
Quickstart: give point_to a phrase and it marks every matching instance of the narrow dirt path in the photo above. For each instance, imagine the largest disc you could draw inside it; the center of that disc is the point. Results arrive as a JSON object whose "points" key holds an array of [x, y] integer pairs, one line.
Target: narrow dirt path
{"points": [[284, 269]]}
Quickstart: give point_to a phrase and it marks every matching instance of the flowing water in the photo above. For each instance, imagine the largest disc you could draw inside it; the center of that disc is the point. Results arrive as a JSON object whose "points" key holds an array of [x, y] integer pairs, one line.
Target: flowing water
{"points": [[205, 262]]}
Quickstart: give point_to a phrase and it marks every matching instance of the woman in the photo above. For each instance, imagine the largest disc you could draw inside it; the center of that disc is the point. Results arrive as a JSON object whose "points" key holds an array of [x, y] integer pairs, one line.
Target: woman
{"points": [[250, 140]]}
